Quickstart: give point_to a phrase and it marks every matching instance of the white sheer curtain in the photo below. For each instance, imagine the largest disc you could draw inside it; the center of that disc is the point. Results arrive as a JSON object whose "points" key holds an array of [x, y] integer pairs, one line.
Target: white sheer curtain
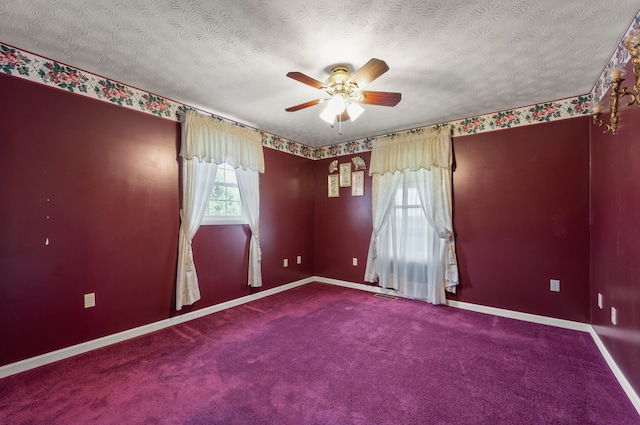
{"points": [[248, 183], [383, 192], [198, 179], [206, 143], [412, 249]]}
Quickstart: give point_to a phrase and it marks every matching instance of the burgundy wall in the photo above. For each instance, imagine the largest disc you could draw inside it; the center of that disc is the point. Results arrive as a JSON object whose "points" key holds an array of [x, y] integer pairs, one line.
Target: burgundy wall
{"points": [[615, 237], [520, 214], [343, 226], [521, 205], [111, 179], [287, 209], [286, 227], [106, 178]]}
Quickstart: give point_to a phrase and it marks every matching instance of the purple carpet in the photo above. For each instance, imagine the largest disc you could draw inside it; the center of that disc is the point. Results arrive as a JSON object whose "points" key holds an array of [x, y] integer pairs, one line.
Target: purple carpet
{"points": [[321, 354]]}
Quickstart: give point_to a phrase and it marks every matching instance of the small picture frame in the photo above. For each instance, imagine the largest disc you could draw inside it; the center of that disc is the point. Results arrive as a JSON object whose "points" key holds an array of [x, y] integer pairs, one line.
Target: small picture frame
{"points": [[333, 186], [345, 174], [357, 183]]}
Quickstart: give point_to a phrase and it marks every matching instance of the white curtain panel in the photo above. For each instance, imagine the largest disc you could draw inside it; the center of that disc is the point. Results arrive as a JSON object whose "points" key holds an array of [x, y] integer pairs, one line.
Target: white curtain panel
{"points": [[434, 188], [249, 185], [206, 143], [412, 248], [198, 179], [384, 189]]}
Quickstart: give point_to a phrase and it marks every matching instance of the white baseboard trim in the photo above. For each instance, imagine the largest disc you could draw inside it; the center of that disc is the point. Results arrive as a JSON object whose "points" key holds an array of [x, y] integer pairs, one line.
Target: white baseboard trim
{"points": [[560, 323], [54, 356], [33, 362], [624, 383], [527, 317], [359, 286]]}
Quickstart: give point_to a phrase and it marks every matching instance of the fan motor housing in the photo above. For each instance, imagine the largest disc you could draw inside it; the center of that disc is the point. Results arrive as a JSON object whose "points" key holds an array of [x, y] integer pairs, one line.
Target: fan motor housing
{"points": [[337, 81]]}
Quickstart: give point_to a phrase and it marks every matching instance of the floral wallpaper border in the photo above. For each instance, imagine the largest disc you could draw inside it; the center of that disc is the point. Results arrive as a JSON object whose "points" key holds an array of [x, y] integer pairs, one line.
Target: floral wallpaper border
{"points": [[35, 68], [545, 112], [620, 57]]}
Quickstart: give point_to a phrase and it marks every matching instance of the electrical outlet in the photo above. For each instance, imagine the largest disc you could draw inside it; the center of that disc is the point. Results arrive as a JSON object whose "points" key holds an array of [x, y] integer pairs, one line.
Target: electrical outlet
{"points": [[600, 301], [89, 300], [554, 285], [614, 316], [285, 263], [355, 261], [299, 259]]}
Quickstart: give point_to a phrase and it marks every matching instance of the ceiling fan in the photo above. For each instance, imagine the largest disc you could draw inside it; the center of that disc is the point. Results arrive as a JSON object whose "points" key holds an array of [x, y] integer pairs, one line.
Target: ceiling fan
{"points": [[346, 92]]}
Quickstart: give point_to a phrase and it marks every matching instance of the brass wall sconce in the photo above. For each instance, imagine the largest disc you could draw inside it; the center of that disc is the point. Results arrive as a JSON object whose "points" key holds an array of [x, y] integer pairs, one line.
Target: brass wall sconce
{"points": [[616, 79], [632, 44]]}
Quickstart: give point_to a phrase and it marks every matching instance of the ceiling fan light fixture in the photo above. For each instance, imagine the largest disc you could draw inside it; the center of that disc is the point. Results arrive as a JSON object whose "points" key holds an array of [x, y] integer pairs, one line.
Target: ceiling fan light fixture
{"points": [[345, 91], [354, 110], [328, 115], [337, 103]]}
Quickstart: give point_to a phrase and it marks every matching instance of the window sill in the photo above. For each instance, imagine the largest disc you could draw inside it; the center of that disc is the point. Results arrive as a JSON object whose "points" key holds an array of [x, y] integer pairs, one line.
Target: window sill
{"points": [[215, 221]]}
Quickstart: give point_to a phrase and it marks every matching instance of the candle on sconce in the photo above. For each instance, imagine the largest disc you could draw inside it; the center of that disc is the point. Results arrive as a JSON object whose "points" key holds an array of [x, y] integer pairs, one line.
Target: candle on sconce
{"points": [[616, 74]]}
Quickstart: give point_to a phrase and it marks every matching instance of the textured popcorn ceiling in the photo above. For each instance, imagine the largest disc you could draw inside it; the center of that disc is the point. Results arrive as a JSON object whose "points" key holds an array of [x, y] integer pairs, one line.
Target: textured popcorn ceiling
{"points": [[450, 59]]}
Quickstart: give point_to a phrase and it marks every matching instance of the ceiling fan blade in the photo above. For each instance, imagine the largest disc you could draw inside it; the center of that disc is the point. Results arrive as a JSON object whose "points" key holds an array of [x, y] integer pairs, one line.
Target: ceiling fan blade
{"points": [[304, 105], [369, 72], [305, 79], [381, 98]]}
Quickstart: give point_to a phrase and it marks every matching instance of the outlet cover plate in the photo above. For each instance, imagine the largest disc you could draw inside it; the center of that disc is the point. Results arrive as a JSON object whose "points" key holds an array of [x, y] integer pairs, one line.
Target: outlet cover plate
{"points": [[554, 285], [89, 300]]}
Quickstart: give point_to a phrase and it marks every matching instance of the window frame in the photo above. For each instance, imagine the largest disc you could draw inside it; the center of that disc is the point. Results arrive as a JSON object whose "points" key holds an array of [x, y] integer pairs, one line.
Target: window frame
{"points": [[215, 220], [401, 211]]}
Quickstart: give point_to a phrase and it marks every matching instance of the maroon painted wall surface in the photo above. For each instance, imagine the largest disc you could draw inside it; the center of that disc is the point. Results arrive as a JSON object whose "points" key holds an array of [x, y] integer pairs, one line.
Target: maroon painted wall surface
{"points": [[521, 204], [615, 238], [286, 227], [287, 211], [101, 183], [343, 226]]}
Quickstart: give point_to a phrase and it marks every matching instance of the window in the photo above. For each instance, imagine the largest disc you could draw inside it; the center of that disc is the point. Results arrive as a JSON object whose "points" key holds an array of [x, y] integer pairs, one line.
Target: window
{"points": [[409, 230], [412, 249], [225, 204], [407, 245]]}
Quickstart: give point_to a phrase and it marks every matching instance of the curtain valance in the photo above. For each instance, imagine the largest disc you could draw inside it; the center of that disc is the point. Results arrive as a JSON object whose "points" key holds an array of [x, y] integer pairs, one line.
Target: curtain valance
{"points": [[412, 151], [216, 141]]}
